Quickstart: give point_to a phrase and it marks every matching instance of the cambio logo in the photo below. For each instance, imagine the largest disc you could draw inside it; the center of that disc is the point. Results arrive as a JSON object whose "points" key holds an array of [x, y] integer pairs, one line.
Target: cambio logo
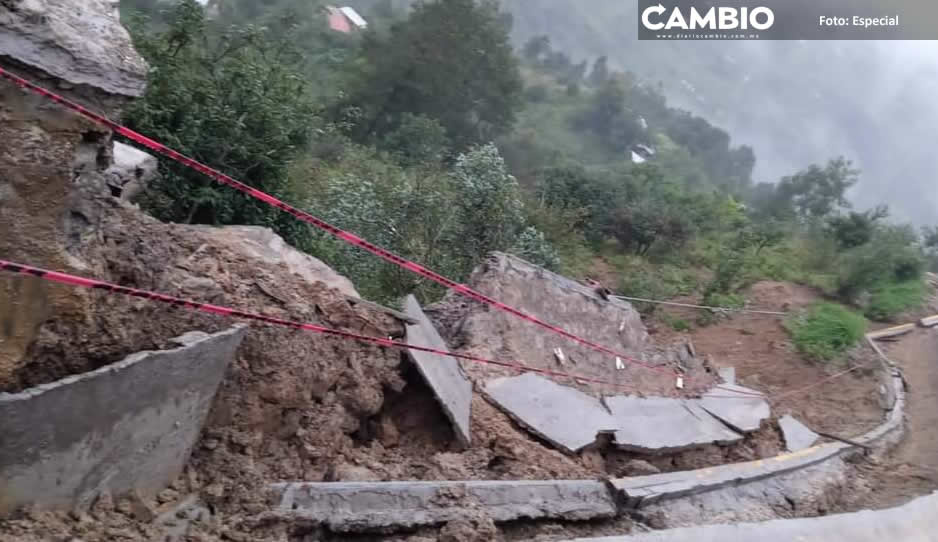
{"points": [[723, 18]]}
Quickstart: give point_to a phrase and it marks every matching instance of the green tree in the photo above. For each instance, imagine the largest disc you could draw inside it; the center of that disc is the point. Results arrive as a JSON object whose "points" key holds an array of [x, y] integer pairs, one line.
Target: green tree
{"points": [[233, 101], [418, 140], [653, 209], [855, 229], [816, 192], [487, 205], [600, 73], [607, 117], [930, 236], [535, 48], [451, 61]]}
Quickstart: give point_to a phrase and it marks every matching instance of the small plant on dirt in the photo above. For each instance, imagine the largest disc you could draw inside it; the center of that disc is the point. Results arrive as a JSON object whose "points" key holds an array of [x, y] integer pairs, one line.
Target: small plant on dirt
{"points": [[825, 330], [677, 324]]}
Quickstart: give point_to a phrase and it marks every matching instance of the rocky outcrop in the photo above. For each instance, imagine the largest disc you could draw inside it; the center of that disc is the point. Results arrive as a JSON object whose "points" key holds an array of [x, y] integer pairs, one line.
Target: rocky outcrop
{"points": [[471, 327], [79, 43], [53, 163]]}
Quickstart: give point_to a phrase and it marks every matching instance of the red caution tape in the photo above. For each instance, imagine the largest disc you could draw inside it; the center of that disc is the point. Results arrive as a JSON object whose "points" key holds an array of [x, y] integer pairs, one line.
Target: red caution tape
{"points": [[64, 278], [348, 237]]}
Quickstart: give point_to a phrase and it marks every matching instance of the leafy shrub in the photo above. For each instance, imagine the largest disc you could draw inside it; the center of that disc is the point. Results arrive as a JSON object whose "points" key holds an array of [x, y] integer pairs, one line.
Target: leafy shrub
{"points": [[235, 101], [641, 279], [677, 324], [536, 93], [726, 301], [533, 247], [889, 300], [825, 330], [881, 262]]}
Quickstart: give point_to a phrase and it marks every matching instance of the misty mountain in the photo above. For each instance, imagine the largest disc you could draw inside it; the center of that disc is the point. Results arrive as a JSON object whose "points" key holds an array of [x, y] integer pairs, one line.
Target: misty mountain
{"points": [[795, 103]]}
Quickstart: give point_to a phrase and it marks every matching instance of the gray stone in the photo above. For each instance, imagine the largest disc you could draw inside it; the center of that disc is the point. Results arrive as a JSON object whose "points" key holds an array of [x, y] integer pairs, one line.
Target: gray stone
{"points": [[728, 375], [566, 417], [661, 425], [741, 408], [365, 506], [641, 468], [177, 522], [797, 435], [443, 373], [558, 300], [124, 427], [263, 244], [131, 171], [80, 42], [912, 521]]}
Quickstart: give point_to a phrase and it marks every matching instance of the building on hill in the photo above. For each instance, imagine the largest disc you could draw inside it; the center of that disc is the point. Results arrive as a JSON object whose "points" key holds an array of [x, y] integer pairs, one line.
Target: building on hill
{"points": [[345, 19], [642, 153]]}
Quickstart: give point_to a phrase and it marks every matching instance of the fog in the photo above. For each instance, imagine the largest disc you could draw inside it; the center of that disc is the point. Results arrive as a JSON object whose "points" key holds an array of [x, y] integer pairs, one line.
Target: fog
{"points": [[795, 103]]}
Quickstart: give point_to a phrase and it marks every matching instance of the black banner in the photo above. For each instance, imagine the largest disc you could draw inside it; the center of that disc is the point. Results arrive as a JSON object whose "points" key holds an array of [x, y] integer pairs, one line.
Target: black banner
{"points": [[787, 20]]}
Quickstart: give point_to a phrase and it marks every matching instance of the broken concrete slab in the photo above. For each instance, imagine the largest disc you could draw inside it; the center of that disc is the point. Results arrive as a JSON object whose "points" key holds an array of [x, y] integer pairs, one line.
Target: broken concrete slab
{"points": [[930, 321], [371, 506], [740, 408], [566, 417], [727, 374], [128, 426], [442, 373], [796, 434], [663, 425]]}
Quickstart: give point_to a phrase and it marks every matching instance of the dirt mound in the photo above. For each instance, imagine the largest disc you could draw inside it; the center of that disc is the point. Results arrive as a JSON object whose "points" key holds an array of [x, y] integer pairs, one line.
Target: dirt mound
{"points": [[761, 351], [294, 405], [780, 296]]}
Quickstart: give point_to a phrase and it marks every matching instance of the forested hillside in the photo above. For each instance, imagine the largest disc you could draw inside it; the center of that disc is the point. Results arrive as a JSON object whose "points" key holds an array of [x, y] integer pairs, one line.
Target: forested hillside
{"points": [[794, 102], [431, 134]]}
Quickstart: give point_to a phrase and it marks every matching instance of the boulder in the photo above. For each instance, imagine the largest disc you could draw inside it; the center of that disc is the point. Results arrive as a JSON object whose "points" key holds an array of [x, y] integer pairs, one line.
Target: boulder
{"points": [[557, 300], [132, 170]]}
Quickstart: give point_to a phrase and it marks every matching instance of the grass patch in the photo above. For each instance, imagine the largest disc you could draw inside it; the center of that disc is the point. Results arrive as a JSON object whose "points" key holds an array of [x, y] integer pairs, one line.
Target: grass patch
{"points": [[825, 330], [675, 323], [889, 300]]}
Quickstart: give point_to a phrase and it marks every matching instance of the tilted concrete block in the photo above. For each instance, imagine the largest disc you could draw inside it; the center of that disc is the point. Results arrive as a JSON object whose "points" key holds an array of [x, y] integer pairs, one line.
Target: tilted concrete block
{"points": [[443, 373], [126, 426]]}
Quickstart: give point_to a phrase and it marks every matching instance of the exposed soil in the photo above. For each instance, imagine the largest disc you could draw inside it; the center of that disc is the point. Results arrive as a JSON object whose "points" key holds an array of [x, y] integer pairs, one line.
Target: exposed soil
{"points": [[761, 351]]}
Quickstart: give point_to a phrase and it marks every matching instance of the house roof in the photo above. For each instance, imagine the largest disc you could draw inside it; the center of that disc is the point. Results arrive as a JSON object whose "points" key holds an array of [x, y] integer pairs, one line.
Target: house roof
{"points": [[353, 16]]}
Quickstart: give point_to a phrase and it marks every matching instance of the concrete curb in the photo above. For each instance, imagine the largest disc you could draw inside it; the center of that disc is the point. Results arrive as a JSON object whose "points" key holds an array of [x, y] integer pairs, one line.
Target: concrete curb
{"points": [[373, 506], [912, 521], [636, 492], [698, 496], [930, 321], [894, 331]]}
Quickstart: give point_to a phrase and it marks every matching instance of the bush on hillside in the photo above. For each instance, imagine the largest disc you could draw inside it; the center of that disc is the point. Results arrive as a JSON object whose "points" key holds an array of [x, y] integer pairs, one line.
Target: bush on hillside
{"points": [[889, 300], [825, 330], [881, 262]]}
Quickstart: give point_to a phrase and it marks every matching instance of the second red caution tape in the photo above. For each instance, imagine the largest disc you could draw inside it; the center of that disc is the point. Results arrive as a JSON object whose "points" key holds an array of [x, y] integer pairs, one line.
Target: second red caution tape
{"points": [[73, 280]]}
